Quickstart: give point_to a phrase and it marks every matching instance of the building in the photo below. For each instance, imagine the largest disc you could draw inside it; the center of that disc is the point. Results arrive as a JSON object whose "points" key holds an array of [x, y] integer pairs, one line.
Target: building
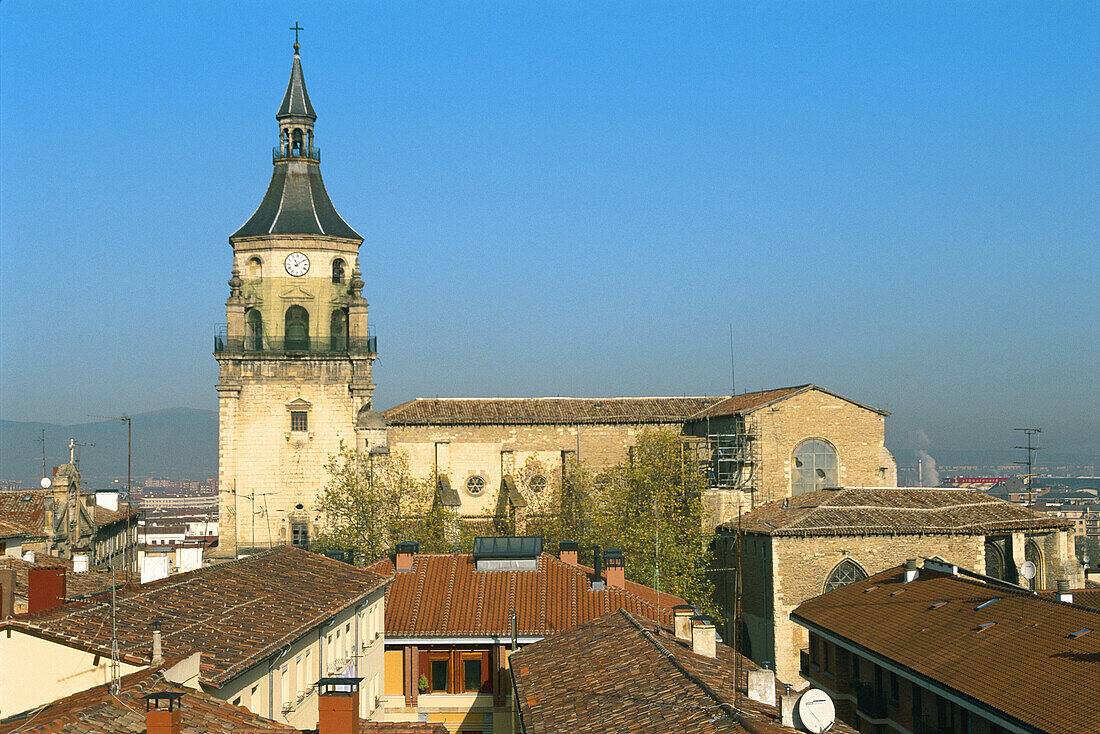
{"points": [[795, 549], [450, 629], [492, 454], [268, 627], [295, 355], [623, 672], [937, 650], [80, 580]]}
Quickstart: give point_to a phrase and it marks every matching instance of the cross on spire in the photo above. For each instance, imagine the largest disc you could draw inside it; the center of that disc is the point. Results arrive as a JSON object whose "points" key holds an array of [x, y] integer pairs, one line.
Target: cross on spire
{"points": [[296, 28]]}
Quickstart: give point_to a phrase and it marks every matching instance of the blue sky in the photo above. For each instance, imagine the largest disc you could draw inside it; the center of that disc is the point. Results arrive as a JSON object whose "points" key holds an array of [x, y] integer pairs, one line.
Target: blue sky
{"points": [[898, 201]]}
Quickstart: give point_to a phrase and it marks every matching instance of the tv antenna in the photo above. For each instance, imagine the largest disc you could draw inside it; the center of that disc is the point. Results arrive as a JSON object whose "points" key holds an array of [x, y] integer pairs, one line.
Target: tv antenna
{"points": [[74, 452], [1031, 448]]}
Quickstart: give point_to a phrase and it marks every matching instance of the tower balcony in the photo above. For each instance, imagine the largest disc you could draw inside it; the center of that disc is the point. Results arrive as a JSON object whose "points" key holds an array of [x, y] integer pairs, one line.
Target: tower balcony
{"points": [[278, 154], [260, 345]]}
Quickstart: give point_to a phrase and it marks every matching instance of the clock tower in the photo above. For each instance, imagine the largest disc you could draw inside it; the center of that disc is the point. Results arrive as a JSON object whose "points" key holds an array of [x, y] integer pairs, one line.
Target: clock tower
{"points": [[295, 353]]}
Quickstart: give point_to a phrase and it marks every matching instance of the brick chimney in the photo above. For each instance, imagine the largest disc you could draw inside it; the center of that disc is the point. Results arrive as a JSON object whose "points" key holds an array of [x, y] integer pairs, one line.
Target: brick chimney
{"points": [[45, 588], [703, 640], [567, 550], [7, 592], [162, 713], [338, 710], [681, 615], [406, 551], [615, 566]]}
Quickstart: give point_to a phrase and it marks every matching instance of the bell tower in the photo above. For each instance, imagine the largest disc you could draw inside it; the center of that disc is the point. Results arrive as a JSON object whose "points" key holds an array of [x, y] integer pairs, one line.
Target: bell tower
{"points": [[295, 353]]}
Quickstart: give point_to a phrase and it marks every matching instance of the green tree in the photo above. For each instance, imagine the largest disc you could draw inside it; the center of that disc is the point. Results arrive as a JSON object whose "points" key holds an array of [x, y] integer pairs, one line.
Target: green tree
{"points": [[650, 507], [366, 502]]}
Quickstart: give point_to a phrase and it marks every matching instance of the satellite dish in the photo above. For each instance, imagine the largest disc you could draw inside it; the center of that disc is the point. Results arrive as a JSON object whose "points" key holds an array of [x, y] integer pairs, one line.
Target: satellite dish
{"points": [[45, 483], [1027, 570], [816, 710]]}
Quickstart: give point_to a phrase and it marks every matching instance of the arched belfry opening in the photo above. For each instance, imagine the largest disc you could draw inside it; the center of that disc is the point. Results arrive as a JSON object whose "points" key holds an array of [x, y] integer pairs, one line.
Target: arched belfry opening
{"points": [[253, 330], [338, 330], [296, 334]]}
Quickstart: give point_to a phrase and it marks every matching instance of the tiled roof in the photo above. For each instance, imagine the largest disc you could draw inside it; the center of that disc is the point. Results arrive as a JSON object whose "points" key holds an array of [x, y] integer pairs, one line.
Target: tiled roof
{"points": [[401, 727], [892, 510], [1017, 655], [622, 672], [236, 613], [77, 585], [445, 596], [24, 510], [493, 411], [10, 529], [1087, 597], [95, 711], [748, 402]]}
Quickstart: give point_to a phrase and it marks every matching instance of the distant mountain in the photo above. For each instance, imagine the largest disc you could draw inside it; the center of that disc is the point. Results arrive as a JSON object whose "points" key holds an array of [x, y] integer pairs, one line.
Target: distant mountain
{"points": [[173, 443]]}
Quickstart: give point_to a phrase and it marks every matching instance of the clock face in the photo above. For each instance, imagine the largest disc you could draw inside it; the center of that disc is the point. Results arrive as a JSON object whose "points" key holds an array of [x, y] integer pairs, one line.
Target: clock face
{"points": [[297, 264]]}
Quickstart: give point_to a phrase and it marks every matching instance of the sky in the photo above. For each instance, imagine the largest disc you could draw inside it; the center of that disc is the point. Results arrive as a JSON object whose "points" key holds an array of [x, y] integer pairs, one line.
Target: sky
{"points": [[897, 201]]}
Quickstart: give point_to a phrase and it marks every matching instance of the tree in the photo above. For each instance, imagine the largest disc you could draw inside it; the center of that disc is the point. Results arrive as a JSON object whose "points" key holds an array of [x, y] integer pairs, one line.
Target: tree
{"points": [[367, 501], [650, 507]]}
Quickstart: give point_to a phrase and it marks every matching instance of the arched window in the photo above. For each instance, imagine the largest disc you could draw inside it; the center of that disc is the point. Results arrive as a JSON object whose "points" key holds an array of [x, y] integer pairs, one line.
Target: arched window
{"points": [[337, 271], [253, 330], [297, 329], [814, 466], [338, 330], [994, 561], [845, 573], [255, 267], [1033, 553]]}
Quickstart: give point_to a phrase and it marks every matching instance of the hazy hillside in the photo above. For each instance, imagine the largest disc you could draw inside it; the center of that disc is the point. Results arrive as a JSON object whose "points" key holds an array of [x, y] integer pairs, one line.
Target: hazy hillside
{"points": [[173, 443]]}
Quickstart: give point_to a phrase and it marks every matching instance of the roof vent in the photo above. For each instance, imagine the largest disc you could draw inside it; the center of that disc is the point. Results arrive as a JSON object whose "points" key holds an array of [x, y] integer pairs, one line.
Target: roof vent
{"points": [[910, 569], [507, 554], [1063, 591]]}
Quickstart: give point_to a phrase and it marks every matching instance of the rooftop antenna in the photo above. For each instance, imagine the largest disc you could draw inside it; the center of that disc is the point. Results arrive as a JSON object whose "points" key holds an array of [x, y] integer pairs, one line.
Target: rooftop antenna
{"points": [[130, 562], [1030, 449], [733, 374], [42, 441], [74, 452]]}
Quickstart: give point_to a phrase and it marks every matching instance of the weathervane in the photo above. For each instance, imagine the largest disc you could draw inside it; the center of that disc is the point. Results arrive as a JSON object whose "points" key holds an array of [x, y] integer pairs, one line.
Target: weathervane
{"points": [[296, 28]]}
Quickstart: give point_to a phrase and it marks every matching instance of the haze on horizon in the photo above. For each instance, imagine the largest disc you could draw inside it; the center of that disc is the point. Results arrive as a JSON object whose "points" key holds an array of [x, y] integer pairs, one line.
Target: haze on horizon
{"points": [[897, 202]]}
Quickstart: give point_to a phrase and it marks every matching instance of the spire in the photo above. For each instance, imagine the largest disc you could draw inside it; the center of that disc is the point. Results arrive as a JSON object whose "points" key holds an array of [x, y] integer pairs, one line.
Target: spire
{"points": [[296, 100]]}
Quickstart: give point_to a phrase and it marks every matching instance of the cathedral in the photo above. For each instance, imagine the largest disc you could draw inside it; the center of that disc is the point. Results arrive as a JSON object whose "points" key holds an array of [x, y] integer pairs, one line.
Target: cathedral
{"points": [[295, 382]]}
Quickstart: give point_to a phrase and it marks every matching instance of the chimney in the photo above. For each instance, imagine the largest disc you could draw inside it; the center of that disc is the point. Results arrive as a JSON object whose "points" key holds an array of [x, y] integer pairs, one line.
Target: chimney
{"points": [[702, 637], [567, 550], [1063, 591], [7, 592], [338, 710], [80, 563], [45, 588], [158, 652], [166, 719], [108, 499], [406, 551], [787, 703], [762, 686], [28, 556], [910, 569], [681, 615], [597, 569], [616, 568]]}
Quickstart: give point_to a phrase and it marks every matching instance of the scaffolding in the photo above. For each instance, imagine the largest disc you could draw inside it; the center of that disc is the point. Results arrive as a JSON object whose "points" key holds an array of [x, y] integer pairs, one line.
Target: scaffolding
{"points": [[730, 460]]}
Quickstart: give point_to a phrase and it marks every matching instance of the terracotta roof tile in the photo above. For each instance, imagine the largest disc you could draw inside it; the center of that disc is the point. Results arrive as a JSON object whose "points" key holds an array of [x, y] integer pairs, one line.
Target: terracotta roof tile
{"points": [[467, 411], [444, 595], [236, 613], [77, 585], [24, 510], [1027, 665], [892, 510]]}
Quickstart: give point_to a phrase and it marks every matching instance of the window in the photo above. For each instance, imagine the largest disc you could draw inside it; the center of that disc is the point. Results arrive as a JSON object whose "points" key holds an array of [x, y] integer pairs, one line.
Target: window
{"points": [[299, 535], [814, 467], [253, 330], [237, 701], [845, 573], [456, 671], [299, 420], [994, 561], [537, 483], [338, 330], [475, 485], [306, 671], [301, 671], [297, 329], [1033, 553], [255, 267], [440, 670], [471, 672], [337, 271], [284, 685]]}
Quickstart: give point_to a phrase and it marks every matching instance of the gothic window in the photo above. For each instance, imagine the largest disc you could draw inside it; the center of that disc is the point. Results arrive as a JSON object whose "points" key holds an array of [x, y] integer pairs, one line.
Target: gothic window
{"points": [[845, 573], [255, 267], [1033, 553], [253, 330], [994, 561], [537, 483], [337, 271], [338, 331], [297, 329], [814, 467], [475, 485]]}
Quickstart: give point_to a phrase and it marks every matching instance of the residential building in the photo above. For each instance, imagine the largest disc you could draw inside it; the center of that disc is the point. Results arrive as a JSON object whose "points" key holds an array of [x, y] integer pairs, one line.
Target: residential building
{"points": [[793, 550], [268, 626], [937, 649], [623, 672], [452, 620], [80, 581]]}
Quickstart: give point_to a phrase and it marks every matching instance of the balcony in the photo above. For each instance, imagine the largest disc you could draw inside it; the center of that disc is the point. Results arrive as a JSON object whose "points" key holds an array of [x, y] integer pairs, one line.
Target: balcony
{"points": [[278, 154], [254, 346], [870, 702]]}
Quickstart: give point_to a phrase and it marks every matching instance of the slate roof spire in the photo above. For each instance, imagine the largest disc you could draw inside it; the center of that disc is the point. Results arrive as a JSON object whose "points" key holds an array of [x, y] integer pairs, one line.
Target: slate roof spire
{"points": [[296, 100]]}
